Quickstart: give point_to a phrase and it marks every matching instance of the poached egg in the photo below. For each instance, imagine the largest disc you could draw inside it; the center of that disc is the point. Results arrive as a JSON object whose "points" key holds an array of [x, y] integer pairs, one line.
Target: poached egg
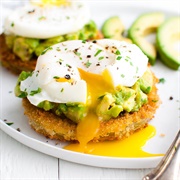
{"points": [[63, 71], [80, 72], [44, 21]]}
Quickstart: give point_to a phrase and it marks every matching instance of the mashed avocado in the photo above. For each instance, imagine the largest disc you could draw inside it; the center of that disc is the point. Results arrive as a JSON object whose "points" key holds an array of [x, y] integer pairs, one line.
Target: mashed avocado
{"points": [[26, 48], [110, 105]]}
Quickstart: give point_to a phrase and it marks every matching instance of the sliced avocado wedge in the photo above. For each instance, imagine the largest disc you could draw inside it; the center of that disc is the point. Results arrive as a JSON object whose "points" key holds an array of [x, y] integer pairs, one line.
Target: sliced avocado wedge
{"points": [[113, 28], [168, 35], [144, 25]]}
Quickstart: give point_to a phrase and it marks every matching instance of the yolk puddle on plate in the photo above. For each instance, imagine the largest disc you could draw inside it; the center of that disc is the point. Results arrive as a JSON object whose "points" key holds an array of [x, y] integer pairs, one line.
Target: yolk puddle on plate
{"points": [[88, 127], [128, 147]]}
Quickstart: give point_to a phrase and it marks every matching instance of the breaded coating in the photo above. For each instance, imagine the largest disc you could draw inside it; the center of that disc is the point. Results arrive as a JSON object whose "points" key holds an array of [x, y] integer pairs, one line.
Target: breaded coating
{"points": [[54, 127], [13, 63]]}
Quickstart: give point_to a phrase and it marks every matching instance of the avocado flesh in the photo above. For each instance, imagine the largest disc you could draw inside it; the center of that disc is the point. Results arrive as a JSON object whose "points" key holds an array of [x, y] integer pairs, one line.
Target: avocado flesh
{"points": [[146, 81], [113, 28], [168, 35], [25, 48], [110, 105], [144, 25]]}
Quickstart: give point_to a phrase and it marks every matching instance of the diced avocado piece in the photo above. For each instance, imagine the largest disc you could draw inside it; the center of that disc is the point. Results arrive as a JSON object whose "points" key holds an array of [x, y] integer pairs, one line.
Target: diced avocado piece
{"points": [[48, 42], [73, 111], [89, 31], [107, 108], [46, 105], [168, 35], [125, 97], [113, 28], [71, 36], [24, 47], [24, 75], [144, 25], [146, 81], [141, 98], [9, 39]]}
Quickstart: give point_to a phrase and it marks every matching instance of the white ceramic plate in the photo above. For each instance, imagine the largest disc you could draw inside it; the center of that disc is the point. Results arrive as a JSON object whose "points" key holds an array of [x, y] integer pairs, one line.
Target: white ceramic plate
{"points": [[166, 119]]}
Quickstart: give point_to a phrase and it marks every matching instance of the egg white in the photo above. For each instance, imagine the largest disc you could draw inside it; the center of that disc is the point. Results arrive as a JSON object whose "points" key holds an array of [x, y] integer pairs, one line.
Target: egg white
{"points": [[47, 21], [97, 57]]}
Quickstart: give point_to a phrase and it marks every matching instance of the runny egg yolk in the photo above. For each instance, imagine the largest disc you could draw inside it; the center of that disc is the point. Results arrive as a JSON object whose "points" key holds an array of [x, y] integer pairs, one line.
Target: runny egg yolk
{"points": [[50, 2], [130, 147], [88, 127]]}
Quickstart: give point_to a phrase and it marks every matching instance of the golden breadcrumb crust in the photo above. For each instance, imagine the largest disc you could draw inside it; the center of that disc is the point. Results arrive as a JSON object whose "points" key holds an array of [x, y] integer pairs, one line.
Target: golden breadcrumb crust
{"points": [[54, 127]]}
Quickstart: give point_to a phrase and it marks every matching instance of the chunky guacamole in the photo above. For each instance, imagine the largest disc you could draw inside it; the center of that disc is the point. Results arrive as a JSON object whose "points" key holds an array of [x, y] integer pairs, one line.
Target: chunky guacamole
{"points": [[26, 48], [110, 104]]}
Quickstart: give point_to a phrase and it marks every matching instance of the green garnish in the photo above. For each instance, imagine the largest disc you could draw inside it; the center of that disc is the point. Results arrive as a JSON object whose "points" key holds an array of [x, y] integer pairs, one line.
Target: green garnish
{"points": [[87, 64], [10, 123], [77, 53], [98, 52], [119, 57], [33, 92], [23, 95], [47, 49], [56, 77], [162, 80], [100, 58], [117, 52], [137, 69], [42, 18]]}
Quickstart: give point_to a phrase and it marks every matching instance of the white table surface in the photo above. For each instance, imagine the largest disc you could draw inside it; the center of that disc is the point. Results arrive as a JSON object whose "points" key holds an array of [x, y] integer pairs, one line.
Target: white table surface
{"points": [[20, 162]]}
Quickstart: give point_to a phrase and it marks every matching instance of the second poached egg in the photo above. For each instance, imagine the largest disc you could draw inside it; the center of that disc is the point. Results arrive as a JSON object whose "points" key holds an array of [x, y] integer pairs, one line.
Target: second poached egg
{"points": [[46, 21]]}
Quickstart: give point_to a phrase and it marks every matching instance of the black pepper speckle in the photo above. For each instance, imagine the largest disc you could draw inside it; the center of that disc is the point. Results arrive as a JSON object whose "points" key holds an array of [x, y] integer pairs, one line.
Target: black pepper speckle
{"points": [[18, 129]]}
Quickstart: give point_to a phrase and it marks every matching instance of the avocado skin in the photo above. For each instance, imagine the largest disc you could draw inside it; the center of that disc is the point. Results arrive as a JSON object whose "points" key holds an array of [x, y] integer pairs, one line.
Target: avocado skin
{"points": [[169, 60], [140, 28], [171, 63]]}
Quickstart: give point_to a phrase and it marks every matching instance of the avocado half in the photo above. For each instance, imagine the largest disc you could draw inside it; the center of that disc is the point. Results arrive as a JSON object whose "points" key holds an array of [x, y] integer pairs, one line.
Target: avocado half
{"points": [[168, 35], [144, 25]]}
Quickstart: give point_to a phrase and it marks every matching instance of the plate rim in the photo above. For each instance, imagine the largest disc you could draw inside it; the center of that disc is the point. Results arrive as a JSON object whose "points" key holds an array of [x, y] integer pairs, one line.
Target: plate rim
{"points": [[26, 140]]}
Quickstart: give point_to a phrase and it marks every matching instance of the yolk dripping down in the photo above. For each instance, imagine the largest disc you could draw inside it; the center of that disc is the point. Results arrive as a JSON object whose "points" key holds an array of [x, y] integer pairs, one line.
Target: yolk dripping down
{"points": [[88, 127]]}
